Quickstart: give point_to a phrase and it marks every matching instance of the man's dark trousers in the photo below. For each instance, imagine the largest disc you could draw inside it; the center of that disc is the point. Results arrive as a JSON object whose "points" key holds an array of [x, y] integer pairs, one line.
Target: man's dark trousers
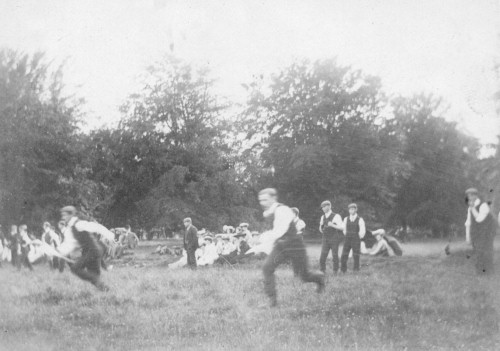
{"points": [[191, 258], [288, 248], [88, 266], [352, 241], [329, 242]]}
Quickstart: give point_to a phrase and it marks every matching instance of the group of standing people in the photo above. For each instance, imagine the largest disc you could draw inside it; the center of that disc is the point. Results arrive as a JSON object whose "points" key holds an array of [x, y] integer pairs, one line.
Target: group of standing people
{"points": [[335, 229]]}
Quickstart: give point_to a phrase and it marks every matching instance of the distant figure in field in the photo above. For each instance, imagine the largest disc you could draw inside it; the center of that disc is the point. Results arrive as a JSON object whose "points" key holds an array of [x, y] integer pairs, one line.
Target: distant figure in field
{"points": [[377, 246], [354, 230], [285, 244], [3, 245], [190, 242], [300, 225], [480, 230], [243, 228], [128, 238], [81, 235], [51, 238], [331, 226], [15, 246], [24, 242]]}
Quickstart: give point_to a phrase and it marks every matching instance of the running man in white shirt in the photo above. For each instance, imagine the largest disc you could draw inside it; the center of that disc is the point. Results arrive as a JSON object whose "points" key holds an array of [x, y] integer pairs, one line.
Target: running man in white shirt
{"points": [[80, 234], [286, 244]]}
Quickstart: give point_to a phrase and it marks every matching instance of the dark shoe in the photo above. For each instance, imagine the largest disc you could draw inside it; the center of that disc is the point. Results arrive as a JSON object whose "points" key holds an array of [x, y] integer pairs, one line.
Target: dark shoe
{"points": [[321, 285], [102, 287], [274, 302]]}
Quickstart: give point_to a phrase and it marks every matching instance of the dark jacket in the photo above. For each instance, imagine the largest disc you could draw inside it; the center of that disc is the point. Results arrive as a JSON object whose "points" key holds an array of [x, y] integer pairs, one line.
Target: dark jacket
{"points": [[191, 239]]}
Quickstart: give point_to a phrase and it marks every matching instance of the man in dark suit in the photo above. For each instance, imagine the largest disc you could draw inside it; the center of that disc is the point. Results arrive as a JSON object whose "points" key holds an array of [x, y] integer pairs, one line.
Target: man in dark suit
{"points": [[190, 242]]}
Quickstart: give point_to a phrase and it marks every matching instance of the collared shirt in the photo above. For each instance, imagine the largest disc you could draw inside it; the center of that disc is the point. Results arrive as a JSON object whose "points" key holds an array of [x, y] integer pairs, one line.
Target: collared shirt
{"points": [[484, 209], [337, 220], [70, 244], [283, 217], [362, 227]]}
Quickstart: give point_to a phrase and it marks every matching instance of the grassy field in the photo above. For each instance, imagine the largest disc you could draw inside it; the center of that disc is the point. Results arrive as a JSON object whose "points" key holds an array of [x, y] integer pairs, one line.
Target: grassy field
{"points": [[405, 303]]}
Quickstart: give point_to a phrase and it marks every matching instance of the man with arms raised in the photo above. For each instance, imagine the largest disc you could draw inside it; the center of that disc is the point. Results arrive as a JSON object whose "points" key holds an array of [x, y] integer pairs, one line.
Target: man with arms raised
{"points": [[284, 244]]}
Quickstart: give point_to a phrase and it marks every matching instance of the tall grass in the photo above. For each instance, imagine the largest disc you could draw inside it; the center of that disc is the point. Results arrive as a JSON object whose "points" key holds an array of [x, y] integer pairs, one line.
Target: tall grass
{"points": [[391, 304]]}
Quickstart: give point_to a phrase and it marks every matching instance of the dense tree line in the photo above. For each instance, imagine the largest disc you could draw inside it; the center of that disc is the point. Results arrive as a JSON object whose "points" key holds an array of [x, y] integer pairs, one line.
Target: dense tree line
{"points": [[314, 130]]}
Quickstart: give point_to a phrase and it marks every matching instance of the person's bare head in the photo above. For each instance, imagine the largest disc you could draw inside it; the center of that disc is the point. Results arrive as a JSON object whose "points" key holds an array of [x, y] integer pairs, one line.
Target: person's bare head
{"points": [[268, 197], [23, 228]]}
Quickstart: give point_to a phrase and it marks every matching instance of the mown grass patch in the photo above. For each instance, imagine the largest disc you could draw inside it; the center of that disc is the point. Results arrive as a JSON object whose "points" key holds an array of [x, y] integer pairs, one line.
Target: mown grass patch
{"points": [[413, 303]]}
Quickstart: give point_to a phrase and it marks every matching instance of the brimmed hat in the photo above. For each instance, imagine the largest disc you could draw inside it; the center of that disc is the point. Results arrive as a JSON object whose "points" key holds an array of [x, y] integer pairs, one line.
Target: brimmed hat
{"points": [[471, 191], [353, 205], [326, 203], [243, 224], [69, 209]]}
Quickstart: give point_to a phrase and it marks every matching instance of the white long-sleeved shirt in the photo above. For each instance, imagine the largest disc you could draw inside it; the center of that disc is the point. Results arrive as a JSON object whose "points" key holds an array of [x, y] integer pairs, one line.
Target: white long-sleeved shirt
{"points": [[70, 244], [337, 220], [362, 226], [283, 218], [300, 225], [53, 238]]}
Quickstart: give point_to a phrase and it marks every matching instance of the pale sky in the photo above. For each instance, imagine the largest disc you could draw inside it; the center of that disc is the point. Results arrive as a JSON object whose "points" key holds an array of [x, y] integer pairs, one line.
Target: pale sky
{"points": [[445, 47]]}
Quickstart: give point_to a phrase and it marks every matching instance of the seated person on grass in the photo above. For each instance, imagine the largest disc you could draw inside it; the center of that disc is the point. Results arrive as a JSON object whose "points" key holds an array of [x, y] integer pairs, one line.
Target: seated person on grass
{"points": [[376, 244]]}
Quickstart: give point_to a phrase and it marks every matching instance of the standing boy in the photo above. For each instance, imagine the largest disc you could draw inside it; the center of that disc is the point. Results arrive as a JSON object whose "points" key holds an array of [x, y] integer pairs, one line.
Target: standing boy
{"points": [[190, 242], [331, 226], [354, 230]]}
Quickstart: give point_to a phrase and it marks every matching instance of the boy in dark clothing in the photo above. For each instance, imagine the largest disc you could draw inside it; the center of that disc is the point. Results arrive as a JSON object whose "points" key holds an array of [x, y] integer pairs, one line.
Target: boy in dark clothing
{"points": [[354, 230]]}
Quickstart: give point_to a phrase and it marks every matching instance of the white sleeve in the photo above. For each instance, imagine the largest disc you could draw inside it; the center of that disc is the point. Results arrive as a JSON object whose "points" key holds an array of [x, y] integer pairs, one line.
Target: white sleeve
{"points": [[93, 227], [484, 209], [301, 225], [338, 220], [283, 218], [467, 226], [362, 228], [345, 226]]}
